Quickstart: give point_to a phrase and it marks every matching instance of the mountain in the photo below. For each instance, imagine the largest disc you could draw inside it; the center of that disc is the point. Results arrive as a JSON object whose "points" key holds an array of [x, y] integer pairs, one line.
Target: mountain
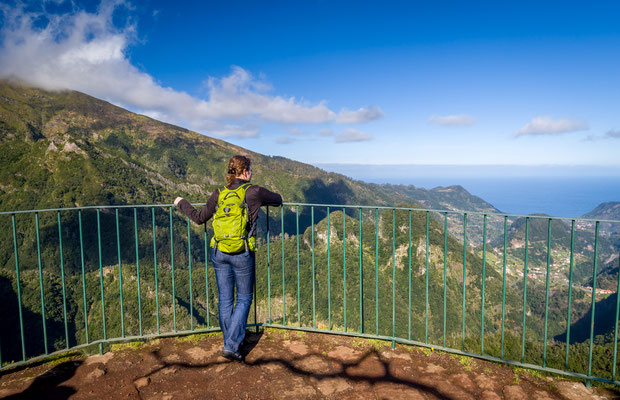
{"points": [[66, 149], [608, 211]]}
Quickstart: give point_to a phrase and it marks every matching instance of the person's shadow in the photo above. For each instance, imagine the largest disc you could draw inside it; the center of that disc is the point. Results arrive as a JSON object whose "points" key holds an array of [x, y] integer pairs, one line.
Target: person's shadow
{"points": [[250, 341], [49, 385]]}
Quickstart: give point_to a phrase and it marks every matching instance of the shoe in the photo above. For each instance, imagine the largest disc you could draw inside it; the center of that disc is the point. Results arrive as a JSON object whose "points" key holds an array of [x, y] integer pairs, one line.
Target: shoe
{"points": [[233, 356]]}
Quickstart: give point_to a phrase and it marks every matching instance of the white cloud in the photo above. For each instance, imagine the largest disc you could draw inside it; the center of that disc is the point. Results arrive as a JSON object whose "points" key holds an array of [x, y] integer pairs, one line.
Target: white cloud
{"points": [[326, 132], [352, 135], [452, 120], [360, 116], [613, 134], [84, 51], [285, 140], [545, 125], [297, 131]]}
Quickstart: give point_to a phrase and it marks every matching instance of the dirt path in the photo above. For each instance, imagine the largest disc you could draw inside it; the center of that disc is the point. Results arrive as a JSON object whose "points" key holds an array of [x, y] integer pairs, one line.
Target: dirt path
{"points": [[283, 365]]}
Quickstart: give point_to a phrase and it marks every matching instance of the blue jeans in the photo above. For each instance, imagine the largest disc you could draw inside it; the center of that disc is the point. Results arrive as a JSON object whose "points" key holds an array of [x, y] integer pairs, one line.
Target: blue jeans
{"points": [[234, 270]]}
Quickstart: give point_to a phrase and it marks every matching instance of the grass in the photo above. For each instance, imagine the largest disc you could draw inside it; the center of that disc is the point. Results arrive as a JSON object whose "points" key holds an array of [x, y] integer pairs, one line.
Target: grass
{"points": [[467, 362]]}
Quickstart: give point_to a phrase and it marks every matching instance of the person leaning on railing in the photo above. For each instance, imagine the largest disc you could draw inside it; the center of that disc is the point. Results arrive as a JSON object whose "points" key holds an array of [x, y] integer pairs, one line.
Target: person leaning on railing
{"points": [[233, 260]]}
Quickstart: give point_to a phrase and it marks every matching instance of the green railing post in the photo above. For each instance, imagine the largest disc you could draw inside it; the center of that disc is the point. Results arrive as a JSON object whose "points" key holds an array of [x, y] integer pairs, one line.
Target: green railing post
{"points": [[484, 264], [189, 267], [174, 297], [105, 334], [594, 271], [298, 287], [426, 309], [62, 275], [19, 290], [527, 238], [120, 276], [547, 291], [570, 291], [283, 283], [504, 285], [313, 271], [36, 219], [393, 278], [613, 374], [361, 276], [155, 268], [83, 277], [269, 270], [445, 273], [409, 282], [135, 232], [377, 270], [329, 275], [464, 276], [344, 267]]}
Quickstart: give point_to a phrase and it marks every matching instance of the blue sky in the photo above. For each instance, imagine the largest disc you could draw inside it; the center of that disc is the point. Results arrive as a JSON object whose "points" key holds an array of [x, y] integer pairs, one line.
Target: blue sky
{"points": [[466, 83]]}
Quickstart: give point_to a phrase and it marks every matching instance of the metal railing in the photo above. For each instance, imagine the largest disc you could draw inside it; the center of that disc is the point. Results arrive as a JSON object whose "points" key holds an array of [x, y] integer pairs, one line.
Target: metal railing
{"points": [[448, 280]]}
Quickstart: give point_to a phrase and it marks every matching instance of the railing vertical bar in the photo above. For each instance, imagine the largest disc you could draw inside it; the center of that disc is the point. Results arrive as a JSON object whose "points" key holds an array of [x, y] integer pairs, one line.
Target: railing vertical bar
{"points": [[361, 275], [547, 291], [329, 275], [120, 276], [445, 273], [613, 374], [268, 269], [155, 268], [570, 291], [484, 265], [409, 282], [283, 283], [426, 309], [313, 271], [36, 219], [207, 301], [174, 297], [62, 275], [464, 277], [83, 277], [135, 232], [298, 286], [105, 333], [504, 285], [594, 271], [393, 277], [377, 271], [189, 267], [19, 290], [527, 238], [344, 267]]}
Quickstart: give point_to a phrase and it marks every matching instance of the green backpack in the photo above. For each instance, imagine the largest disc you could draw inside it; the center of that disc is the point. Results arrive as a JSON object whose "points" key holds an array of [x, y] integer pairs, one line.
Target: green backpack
{"points": [[230, 221]]}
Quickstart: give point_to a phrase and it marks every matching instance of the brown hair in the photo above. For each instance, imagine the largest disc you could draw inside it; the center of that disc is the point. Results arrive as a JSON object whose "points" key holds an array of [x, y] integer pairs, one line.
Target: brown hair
{"points": [[237, 166]]}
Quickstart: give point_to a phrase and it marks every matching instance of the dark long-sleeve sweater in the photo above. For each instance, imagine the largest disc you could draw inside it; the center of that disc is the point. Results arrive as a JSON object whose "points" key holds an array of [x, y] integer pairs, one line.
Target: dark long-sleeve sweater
{"points": [[255, 197]]}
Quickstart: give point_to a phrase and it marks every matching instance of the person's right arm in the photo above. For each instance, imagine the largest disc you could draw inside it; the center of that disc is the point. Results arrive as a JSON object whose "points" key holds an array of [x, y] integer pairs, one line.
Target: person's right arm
{"points": [[205, 213]]}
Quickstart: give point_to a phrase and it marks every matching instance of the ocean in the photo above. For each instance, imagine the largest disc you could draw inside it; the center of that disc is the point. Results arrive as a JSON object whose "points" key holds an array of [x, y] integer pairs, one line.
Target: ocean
{"points": [[557, 194]]}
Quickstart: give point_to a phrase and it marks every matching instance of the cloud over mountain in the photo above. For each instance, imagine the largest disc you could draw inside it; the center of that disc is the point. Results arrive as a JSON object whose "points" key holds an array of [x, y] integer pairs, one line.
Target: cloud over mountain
{"points": [[87, 52]]}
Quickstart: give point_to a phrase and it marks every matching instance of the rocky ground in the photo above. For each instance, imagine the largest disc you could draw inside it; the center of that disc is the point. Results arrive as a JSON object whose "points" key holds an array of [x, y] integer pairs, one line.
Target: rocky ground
{"points": [[283, 365]]}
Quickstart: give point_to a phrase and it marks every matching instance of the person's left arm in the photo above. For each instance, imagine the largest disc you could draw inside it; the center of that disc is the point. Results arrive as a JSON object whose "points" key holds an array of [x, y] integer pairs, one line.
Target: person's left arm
{"points": [[198, 216]]}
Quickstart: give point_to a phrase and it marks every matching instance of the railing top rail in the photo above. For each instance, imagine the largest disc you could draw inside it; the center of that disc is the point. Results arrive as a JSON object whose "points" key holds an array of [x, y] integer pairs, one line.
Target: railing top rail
{"points": [[166, 205]]}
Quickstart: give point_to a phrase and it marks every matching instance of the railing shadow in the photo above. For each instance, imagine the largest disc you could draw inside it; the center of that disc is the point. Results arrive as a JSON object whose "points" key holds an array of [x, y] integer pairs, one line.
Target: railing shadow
{"points": [[351, 370]]}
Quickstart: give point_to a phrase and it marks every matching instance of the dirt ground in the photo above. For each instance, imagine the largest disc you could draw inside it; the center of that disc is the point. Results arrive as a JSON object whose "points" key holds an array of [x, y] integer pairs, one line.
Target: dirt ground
{"points": [[282, 365]]}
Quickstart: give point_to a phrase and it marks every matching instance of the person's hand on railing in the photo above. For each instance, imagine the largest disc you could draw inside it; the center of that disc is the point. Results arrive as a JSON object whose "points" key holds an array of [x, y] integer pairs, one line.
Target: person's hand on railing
{"points": [[177, 201]]}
